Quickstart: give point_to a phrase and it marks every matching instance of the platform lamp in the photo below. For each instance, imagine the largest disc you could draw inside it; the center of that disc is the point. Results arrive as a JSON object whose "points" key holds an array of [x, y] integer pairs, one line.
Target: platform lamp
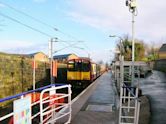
{"points": [[121, 59], [132, 4]]}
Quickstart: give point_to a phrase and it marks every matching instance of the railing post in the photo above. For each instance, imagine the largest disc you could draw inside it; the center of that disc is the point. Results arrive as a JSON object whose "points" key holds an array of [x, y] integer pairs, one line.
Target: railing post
{"points": [[52, 93], [129, 95], [138, 110], [69, 102], [136, 106], [120, 104], [124, 95]]}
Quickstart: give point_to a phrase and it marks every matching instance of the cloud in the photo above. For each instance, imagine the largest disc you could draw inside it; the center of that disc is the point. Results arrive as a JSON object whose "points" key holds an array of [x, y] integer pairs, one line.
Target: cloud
{"points": [[2, 5], [111, 15], [22, 47]]}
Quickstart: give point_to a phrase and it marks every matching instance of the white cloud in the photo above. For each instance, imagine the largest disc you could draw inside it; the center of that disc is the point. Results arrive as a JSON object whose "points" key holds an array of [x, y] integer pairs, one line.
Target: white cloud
{"points": [[2, 5], [111, 15], [22, 47]]}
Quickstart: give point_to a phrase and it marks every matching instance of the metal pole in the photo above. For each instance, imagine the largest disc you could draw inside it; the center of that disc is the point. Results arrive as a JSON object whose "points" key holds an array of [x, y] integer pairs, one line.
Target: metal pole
{"points": [[34, 66], [34, 77], [51, 59], [50, 54], [22, 73], [133, 48]]}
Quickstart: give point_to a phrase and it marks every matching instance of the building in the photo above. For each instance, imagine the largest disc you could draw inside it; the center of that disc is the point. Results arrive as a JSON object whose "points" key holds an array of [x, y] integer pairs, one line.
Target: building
{"points": [[38, 56], [162, 52], [160, 64], [65, 57]]}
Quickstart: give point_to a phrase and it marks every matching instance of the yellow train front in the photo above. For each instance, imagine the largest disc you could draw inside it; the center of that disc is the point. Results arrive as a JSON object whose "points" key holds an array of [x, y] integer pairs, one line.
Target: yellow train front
{"points": [[79, 72]]}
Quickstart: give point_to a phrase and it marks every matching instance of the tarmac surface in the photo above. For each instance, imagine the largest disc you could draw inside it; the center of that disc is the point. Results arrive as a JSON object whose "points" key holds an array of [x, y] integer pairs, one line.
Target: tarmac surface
{"points": [[154, 86], [99, 108]]}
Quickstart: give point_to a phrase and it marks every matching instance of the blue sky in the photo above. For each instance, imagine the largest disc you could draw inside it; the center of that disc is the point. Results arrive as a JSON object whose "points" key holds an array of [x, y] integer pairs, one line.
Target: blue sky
{"points": [[91, 21]]}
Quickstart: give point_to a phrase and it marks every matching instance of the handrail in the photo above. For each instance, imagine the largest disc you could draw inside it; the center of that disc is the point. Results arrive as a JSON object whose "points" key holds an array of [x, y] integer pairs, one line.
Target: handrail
{"points": [[31, 91], [45, 89], [127, 87]]}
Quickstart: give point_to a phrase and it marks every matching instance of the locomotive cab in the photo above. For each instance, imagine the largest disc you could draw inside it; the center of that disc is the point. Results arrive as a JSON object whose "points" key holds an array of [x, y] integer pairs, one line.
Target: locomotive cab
{"points": [[79, 71]]}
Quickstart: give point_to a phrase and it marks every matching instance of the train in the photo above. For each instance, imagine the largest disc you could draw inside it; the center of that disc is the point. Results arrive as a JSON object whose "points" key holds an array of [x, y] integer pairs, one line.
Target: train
{"points": [[79, 72]]}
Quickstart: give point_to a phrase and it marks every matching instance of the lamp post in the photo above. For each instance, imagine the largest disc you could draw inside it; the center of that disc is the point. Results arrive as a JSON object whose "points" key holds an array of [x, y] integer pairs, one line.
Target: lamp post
{"points": [[133, 9], [121, 61], [50, 55], [121, 43]]}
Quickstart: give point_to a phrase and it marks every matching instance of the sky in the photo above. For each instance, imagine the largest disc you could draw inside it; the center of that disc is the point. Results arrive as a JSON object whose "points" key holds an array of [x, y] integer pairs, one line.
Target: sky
{"points": [[89, 21]]}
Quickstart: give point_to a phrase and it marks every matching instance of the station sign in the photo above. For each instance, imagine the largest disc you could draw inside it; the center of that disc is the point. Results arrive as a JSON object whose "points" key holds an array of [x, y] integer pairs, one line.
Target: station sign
{"points": [[22, 110]]}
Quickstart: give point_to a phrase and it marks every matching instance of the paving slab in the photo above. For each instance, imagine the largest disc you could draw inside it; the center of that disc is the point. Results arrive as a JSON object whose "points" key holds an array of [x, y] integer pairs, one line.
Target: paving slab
{"points": [[99, 107], [91, 117]]}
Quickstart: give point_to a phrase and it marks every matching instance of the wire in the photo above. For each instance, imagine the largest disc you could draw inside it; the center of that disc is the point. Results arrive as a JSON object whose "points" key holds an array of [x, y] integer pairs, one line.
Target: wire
{"points": [[67, 45], [39, 21], [25, 14], [19, 22]]}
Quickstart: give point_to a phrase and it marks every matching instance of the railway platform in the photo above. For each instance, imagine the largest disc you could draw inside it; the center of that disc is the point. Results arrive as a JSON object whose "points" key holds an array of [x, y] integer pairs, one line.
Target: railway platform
{"points": [[100, 107]]}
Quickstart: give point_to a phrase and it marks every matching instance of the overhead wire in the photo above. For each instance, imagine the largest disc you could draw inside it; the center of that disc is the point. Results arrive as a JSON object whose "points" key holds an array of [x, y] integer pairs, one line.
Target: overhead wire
{"points": [[39, 21], [27, 15], [69, 45], [30, 27]]}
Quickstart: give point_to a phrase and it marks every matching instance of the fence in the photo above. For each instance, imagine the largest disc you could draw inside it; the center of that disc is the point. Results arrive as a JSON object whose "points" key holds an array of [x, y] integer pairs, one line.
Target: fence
{"points": [[51, 105], [16, 75], [129, 105]]}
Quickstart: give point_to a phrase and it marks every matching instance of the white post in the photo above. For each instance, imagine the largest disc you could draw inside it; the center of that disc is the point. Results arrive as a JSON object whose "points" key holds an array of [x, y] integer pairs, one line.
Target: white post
{"points": [[34, 67], [69, 102], [120, 106], [122, 70], [138, 110], [133, 48], [136, 106], [51, 59]]}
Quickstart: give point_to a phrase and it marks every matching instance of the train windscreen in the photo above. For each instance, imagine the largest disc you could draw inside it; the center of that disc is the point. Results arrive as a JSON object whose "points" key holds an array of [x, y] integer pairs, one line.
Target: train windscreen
{"points": [[85, 66], [78, 65], [71, 66]]}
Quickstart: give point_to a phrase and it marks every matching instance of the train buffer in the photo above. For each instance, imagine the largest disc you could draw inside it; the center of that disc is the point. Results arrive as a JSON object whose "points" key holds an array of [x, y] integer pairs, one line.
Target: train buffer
{"points": [[98, 102]]}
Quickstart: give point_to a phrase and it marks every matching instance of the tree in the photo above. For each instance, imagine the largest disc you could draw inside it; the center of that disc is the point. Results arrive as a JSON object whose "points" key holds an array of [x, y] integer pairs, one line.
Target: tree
{"points": [[152, 52], [127, 49]]}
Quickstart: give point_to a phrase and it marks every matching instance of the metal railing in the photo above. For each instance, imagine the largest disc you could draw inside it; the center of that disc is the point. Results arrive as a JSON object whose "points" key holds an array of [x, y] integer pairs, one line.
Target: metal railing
{"points": [[56, 110], [129, 102], [50, 105], [129, 105]]}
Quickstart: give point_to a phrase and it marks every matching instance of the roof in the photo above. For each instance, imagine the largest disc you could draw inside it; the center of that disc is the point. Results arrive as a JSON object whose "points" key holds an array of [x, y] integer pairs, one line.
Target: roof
{"points": [[80, 58], [33, 54], [163, 48], [85, 58], [129, 63], [64, 56], [22, 55]]}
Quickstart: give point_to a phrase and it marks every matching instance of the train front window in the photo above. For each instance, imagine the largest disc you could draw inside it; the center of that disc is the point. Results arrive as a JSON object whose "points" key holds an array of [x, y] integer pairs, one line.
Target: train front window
{"points": [[85, 66], [78, 66], [71, 66]]}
